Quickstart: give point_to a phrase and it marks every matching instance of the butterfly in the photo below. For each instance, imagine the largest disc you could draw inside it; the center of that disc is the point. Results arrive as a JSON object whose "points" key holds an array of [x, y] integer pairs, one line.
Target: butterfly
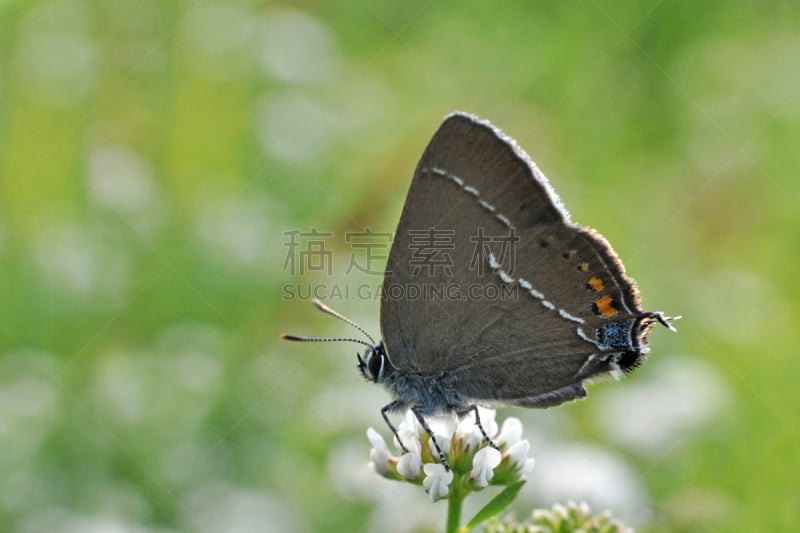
{"points": [[516, 305]]}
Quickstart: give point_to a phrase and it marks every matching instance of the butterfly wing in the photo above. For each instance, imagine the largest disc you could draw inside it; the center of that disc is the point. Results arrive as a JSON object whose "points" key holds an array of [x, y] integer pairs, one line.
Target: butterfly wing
{"points": [[509, 292]]}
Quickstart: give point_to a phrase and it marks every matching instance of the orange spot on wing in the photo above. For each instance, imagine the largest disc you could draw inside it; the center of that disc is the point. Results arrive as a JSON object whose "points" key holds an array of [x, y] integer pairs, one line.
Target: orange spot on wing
{"points": [[605, 306], [595, 283], [583, 267]]}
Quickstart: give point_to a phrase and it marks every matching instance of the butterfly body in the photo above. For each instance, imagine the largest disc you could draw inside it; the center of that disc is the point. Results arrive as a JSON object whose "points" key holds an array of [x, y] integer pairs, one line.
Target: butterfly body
{"points": [[436, 392]]}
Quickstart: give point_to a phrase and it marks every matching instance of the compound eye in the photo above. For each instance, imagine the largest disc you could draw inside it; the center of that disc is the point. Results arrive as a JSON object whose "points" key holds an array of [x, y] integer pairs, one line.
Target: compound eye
{"points": [[375, 365]]}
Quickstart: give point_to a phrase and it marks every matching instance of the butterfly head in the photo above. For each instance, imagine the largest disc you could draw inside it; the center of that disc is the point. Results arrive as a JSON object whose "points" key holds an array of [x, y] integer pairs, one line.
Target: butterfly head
{"points": [[374, 363]]}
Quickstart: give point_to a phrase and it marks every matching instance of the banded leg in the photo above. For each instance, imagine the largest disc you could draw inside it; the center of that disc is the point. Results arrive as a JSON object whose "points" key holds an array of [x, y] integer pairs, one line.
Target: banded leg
{"points": [[384, 410], [474, 409], [418, 412]]}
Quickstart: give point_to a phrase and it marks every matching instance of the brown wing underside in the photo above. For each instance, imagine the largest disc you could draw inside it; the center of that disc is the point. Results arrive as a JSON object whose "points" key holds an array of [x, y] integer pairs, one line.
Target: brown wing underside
{"points": [[520, 347]]}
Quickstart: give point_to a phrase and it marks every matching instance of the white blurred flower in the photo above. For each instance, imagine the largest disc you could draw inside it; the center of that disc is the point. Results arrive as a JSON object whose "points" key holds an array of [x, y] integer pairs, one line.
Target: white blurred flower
{"points": [[570, 517], [120, 179], [678, 395], [221, 507], [296, 47], [483, 465], [437, 480], [530, 464], [221, 38], [60, 59], [295, 127], [410, 465], [84, 261], [239, 229], [591, 473]]}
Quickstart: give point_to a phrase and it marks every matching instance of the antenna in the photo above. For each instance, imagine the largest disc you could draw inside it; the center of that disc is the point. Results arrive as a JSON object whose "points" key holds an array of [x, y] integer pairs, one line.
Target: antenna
{"points": [[325, 309], [287, 337], [665, 320]]}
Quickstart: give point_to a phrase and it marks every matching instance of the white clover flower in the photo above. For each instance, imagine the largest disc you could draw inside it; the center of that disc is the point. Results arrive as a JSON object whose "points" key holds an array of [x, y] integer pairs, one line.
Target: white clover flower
{"points": [[569, 517], [511, 432], [443, 426], [583, 507], [528, 468], [518, 453], [376, 439], [444, 444], [483, 465], [488, 421], [379, 455], [468, 434], [437, 480], [409, 422], [410, 466], [408, 433], [410, 440], [515, 460], [560, 510], [472, 463]]}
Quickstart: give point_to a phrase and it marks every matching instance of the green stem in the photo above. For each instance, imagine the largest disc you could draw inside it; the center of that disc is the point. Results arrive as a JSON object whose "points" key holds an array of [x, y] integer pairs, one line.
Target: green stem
{"points": [[454, 504]]}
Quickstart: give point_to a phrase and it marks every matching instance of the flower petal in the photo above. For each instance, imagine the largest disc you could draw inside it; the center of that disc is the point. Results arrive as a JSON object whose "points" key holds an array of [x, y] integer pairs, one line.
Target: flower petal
{"points": [[408, 432], [468, 433], [443, 426], [444, 444], [528, 468], [437, 480], [511, 432], [488, 421], [379, 455], [483, 465], [410, 465], [518, 453], [376, 439], [410, 439], [409, 423]]}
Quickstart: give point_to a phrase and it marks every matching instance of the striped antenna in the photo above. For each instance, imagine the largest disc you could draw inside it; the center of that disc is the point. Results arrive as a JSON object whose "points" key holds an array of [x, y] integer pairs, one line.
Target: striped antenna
{"points": [[325, 309]]}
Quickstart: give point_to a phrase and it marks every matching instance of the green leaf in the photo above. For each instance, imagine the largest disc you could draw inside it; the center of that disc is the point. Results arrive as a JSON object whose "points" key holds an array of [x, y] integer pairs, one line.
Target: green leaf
{"points": [[496, 506]]}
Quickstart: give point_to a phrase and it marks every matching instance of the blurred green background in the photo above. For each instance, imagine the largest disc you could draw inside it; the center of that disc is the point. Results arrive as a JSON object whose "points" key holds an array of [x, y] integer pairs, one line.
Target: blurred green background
{"points": [[154, 155]]}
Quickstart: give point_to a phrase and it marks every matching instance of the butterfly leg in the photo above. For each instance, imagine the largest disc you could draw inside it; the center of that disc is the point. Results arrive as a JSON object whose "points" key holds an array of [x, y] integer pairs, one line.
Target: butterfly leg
{"points": [[474, 409], [419, 412], [391, 406]]}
